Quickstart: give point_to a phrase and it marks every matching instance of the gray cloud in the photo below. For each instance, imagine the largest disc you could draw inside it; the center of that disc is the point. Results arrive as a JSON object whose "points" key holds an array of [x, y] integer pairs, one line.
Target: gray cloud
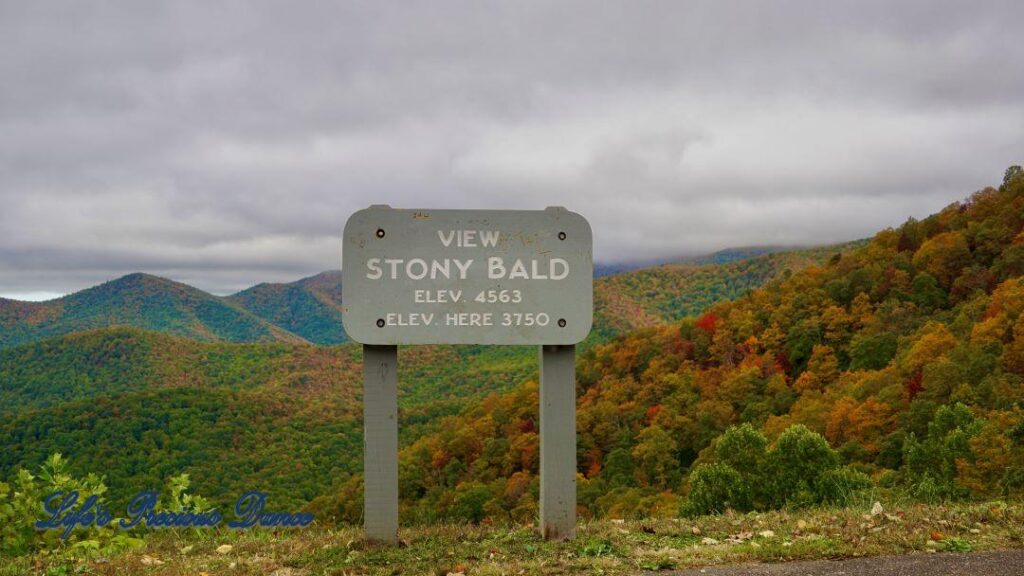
{"points": [[224, 144]]}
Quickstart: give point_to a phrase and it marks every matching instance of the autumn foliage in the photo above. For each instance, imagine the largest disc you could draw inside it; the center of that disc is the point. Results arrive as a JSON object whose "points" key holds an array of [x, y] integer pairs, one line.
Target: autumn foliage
{"points": [[898, 365]]}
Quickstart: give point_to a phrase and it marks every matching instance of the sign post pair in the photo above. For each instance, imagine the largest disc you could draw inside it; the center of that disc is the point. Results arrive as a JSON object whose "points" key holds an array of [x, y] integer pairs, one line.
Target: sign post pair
{"points": [[504, 277]]}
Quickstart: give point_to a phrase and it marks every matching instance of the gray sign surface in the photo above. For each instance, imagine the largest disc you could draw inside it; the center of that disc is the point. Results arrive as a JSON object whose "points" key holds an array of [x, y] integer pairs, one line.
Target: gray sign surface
{"points": [[467, 276]]}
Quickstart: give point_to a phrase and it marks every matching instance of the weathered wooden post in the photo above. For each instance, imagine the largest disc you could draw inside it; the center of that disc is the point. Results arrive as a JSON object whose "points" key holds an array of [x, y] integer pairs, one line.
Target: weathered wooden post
{"points": [[468, 277]]}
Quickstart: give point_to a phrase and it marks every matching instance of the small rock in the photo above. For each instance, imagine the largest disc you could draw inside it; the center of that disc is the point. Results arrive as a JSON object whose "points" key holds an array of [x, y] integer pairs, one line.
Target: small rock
{"points": [[877, 509], [708, 541], [233, 565], [975, 531], [695, 531], [150, 561], [766, 534], [801, 525], [892, 518], [787, 544], [618, 521], [931, 543], [186, 549], [224, 548]]}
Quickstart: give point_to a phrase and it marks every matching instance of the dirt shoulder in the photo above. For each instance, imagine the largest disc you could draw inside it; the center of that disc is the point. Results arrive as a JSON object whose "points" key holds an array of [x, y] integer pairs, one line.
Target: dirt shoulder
{"points": [[993, 563]]}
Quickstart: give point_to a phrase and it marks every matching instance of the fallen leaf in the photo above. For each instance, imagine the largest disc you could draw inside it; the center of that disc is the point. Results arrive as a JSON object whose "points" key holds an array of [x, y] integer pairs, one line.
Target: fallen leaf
{"points": [[740, 537]]}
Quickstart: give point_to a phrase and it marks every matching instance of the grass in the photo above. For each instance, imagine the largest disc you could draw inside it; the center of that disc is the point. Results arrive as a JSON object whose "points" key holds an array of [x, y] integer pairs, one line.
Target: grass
{"points": [[601, 547]]}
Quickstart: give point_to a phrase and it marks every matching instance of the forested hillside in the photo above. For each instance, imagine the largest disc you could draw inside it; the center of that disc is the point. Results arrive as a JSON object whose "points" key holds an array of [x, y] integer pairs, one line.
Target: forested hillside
{"points": [[138, 300], [310, 307], [140, 405], [667, 293], [898, 366]]}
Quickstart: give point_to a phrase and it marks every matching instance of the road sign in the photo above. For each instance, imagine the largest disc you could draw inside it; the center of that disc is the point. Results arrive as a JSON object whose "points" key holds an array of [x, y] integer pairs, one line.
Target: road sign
{"points": [[467, 276]]}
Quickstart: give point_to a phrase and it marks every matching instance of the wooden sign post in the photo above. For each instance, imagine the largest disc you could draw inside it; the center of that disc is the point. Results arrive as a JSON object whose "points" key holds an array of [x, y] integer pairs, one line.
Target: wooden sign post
{"points": [[468, 277]]}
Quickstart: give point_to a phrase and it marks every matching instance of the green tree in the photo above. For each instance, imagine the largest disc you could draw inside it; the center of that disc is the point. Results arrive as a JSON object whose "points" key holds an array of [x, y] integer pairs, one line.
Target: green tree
{"points": [[655, 457]]}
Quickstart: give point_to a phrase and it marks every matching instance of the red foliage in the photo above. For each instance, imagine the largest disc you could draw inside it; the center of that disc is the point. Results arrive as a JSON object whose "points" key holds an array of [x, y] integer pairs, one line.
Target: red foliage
{"points": [[527, 426], [708, 322], [676, 346], [782, 364], [914, 385], [593, 462], [652, 412]]}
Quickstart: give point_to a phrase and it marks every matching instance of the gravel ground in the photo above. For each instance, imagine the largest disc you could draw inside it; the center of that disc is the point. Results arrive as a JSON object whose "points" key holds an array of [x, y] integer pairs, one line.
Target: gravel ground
{"points": [[998, 563]]}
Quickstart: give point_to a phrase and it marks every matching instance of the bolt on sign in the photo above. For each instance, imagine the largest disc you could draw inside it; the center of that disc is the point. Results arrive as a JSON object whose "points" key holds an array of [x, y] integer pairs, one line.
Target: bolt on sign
{"points": [[468, 277]]}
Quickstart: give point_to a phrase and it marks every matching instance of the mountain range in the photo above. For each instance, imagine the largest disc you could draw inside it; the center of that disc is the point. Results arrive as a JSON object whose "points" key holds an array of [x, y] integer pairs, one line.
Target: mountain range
{"points": [[142, 376], [309, 310]]}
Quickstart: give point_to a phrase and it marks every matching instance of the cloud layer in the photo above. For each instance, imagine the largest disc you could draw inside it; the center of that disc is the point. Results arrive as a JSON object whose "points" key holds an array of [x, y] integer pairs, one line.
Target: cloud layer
{"points": [[224, 144]]}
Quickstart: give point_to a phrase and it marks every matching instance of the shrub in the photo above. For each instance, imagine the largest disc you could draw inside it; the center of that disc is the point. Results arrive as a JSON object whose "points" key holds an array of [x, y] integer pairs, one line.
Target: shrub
{"points": [[799, 457], [841, 486], [21, 507], [743, 448], [714, 488]]}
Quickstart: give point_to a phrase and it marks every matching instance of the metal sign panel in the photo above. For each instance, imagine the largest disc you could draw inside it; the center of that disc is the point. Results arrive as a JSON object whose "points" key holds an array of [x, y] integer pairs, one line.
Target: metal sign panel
{"points": [[467, 276]]}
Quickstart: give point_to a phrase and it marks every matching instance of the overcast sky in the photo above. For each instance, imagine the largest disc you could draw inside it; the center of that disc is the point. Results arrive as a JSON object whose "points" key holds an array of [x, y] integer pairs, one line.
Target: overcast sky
{"points": [[225, 144]]}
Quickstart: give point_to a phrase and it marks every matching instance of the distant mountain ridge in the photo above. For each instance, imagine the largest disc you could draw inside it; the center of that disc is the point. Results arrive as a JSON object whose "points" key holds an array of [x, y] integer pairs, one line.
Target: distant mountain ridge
{"points": [[309, 309], [142, 301]]}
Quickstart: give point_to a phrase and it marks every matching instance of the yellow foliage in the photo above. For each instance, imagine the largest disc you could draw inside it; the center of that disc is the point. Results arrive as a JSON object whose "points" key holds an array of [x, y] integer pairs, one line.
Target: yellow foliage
{"points": [[935, 343], [943, 256]]}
